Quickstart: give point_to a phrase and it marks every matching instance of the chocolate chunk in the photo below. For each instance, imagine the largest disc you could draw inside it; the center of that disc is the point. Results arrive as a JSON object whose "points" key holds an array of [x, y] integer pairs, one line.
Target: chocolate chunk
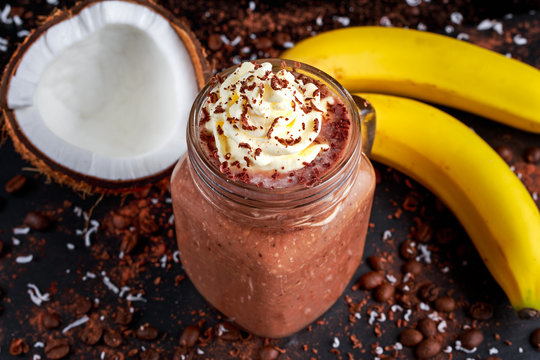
{"points": [[57, 349], [149, 354], [528, 313], [532, 155], [427, 327], [112, 338], [371, 280], [428, 348], [190, 335], [410, 337], [268, 352], [481, 311], [122, 316], [445, 235], [535, 339], [505, 152], [18, 347], [128, 242], [15, 184], [146, 332], [471, 338], [81, 305], [37, 220], [228, 332], [214, 42], [384, 292], [428, 292], [50, 320], [445, 304], [120, 222], [376, 262], [412, 266], [408, 250], [91, 333]]}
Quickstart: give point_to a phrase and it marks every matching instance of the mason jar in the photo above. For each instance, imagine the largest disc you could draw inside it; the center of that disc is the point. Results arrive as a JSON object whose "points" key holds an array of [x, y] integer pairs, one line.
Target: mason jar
{"points": [[274, 260]]}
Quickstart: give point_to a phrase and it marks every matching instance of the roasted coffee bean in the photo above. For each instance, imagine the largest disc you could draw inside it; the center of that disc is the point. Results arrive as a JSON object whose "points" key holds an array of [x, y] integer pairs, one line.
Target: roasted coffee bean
{"points": [[81, 305], [228, 332], [428, 292], [122, 316], [56, 349], [408, 301], [120, 222], [371, 280], [445, 236], [214, 42], [91, 333], [408, 250], [505, 152], [528, 313], [410, 337], [412, 266], [384, 292], [427, 327], [268, 352], [263, 43], [128, 242], [471, 338], [532, 155], [481, 311], [37, 220], [428, 348], [190, 335], [18, 347], [445, 304], [149, 354], [535, 339], [112, 338], [50, 320], [423, 233], [376, 262], [15, 184], [146, 332]]}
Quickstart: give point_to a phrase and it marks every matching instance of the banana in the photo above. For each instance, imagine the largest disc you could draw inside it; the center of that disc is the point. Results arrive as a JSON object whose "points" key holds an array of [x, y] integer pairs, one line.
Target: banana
{"points": [[476, 184], [429, 67]]}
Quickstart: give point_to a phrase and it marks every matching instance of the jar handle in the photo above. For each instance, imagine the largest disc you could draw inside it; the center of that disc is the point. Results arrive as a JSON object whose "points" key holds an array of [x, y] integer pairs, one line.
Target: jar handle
{"points": [[367, 117]]}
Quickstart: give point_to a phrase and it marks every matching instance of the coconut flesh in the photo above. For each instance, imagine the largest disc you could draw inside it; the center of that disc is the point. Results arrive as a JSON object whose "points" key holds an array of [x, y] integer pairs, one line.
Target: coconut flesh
{"points": [[107, 93]]}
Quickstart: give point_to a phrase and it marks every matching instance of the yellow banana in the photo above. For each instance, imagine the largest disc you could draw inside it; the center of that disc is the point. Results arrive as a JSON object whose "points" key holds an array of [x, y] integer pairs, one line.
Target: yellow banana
{"points": [[476, 184], [430, 67]]}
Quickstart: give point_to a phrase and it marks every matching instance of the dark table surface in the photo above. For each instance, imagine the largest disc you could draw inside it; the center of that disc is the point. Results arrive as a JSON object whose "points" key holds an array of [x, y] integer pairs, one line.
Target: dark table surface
{"points": [[66, 269]]}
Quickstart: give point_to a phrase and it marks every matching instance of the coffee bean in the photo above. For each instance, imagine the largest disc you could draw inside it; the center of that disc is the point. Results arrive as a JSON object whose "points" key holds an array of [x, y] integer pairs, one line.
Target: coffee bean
{"points": [[18, 347], [384, 292], [505, 152], [190, 335], [268, 352], [120, 222], [528, 313], [535, 339], [408, 301], [15, 184], [81, 305], [376, 262], [37, 220], [149, 354], [122, 316], [428, 348], [481, 311], [445, 304], [428, 292], [408, 250], [57, 349], [410, 337], [214, 42], [532, 155], [471, 338], [445, 236], [228, 332], [50, 320], [427, 327], [146, 332], [412, 266], [112, 338], [371, 280], [423, 233], [263, 43], [91, 333]]}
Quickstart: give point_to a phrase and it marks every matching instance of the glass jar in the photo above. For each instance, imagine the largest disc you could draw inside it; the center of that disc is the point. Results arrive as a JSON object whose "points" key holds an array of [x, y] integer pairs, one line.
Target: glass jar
{"points": [[273, 260]]}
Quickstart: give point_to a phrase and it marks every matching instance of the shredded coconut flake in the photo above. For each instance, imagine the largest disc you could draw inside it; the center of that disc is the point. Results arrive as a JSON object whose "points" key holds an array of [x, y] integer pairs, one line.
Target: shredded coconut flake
{"points": [[519, 40], [465, 350], [21, 230], [441, 327], [108, 283], [24, 259], [15, 241], [493, 351], [407, 316], [336, 343], [485, 25], [456, 17], [36, 296], [137, 297], [76, 323], [176, 256], [413, 2]]}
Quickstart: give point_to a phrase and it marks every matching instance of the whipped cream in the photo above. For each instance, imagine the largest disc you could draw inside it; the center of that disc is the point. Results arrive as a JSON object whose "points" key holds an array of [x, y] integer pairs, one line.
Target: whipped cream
{"points": [[262, 120]]}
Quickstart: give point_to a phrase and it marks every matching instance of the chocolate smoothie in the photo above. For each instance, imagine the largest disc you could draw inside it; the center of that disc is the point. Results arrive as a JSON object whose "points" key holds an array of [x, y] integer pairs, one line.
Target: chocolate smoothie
{"points": [[272, 209]]}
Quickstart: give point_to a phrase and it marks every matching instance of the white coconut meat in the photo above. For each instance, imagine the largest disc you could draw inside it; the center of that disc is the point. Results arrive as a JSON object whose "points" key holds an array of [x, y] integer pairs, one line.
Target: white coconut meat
{"points": [[107, 93]]}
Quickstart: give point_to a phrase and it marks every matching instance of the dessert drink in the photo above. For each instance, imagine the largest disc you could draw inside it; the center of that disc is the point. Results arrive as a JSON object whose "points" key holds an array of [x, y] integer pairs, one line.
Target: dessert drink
{"points": [[273, 199]]}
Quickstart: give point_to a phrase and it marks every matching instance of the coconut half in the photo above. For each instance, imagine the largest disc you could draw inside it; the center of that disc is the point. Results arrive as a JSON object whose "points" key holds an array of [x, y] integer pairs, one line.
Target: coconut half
{"points": [[99, 96]]}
